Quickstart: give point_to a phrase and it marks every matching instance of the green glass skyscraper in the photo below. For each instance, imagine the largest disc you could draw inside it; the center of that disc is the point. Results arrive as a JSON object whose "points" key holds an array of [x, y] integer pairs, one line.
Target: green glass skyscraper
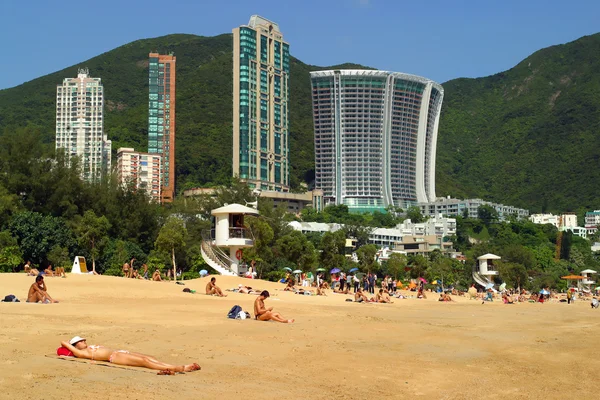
{"points": [[161, 118], [261, 68]]}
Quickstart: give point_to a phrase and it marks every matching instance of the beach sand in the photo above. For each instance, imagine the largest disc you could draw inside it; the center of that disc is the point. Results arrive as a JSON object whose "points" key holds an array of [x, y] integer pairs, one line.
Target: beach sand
{"points": [[335, 350]]}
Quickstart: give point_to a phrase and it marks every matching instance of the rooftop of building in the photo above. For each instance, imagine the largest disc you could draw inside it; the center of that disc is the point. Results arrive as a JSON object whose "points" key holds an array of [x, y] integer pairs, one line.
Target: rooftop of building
{"points": [[377, 73], [257, 20]]}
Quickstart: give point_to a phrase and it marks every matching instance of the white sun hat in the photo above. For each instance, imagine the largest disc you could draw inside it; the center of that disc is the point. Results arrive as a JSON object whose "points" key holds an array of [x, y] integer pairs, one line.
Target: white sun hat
{"points": [[76, 339]]}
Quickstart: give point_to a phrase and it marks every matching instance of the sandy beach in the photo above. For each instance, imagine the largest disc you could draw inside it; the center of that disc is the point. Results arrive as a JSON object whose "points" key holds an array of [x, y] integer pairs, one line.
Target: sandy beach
{"points": [[336, 349]]}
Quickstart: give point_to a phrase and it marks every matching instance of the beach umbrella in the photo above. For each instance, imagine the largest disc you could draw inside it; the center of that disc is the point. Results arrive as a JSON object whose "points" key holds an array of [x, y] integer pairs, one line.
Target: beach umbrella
{"points": [[502, 287], [297, 271], [434, 282], [544, 291], [335, 271], [320, 269], [203, 272], [489, 286], [422, 279], [354, 269], [287, 269]]}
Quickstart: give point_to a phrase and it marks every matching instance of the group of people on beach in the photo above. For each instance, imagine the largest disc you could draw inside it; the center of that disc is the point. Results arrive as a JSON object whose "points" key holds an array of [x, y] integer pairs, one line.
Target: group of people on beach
{"points": [[130, 271], [48, 271]]}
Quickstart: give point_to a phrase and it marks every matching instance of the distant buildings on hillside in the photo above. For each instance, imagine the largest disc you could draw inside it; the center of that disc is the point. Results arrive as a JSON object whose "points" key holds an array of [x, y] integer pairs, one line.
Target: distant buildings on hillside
{"points": [[564, 222], [142, 170], [80, 124], [456, 207]]}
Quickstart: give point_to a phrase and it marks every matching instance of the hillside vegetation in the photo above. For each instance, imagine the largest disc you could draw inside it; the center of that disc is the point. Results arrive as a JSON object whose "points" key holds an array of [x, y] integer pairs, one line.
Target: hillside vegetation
{"points": [[526, 137]]}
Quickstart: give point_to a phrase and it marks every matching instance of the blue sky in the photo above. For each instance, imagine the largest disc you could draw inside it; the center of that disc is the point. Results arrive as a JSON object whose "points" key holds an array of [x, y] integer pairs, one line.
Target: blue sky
{"points": [[438, 39]]}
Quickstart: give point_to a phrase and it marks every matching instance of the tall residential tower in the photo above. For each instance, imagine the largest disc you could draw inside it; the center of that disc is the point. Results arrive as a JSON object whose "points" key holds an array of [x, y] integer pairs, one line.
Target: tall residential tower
{"points": [[161, 118], [261, 68], [80, 124], [375, 137]]}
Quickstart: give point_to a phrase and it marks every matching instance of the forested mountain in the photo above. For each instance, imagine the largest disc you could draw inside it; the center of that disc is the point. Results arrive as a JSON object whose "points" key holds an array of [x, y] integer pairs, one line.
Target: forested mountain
{"points": [[526, 137], [529, 136]]}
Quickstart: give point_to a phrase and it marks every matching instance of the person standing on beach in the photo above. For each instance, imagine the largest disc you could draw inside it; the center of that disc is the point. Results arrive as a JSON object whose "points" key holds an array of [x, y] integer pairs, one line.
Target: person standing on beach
{"points": [[356, 282], [371, 280], [569, 296], [342, 280]]}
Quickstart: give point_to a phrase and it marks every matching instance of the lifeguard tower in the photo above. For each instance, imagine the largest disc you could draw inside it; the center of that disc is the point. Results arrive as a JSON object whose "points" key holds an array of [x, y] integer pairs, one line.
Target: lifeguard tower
{"points": [[228, 232], [485, 270], [588, 280]]}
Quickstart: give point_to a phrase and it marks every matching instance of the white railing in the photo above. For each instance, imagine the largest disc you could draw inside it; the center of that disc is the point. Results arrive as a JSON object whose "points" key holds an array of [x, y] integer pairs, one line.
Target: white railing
{"points": [[220, 261]]}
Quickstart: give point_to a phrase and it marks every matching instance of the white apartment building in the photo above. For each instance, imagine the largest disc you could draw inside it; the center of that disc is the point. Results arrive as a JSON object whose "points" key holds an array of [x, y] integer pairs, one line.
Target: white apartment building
{"points": [[456, 207], [567, 220], [144, 170], [80, 124], [388, 237], [592, 220]]}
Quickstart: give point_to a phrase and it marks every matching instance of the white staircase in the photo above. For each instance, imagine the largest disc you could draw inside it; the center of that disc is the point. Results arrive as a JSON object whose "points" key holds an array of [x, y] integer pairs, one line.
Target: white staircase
{"points": [[480, 279], [215, 257]]}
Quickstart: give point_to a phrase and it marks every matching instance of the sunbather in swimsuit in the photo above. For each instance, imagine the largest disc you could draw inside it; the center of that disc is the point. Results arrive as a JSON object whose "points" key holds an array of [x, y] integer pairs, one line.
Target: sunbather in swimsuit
{"points": [[80, 349]]}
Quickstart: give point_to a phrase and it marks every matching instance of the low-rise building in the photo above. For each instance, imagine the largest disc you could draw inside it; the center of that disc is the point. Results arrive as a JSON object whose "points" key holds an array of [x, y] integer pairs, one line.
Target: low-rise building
{"points": [[422, 245], [388, 237], [566, 220], [455, 207], [294, 202], [592, 221], [144, 170]]}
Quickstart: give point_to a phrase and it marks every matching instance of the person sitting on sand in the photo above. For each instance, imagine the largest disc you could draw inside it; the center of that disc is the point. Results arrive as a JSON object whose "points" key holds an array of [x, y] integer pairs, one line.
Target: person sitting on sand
{"points": [[29, 270], [37, 292], [266, 314], [382, 297], [325, 285], [145, 268], [321, 290], [445, 297], [290, 286], [213, 289], [156, 275], [60, 271], [80, 349], [360, 296], [125, 270], [506, 299], [420, 294]]}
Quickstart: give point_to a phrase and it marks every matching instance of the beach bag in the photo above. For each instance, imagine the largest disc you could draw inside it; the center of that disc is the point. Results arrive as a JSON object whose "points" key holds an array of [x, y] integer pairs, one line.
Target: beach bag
{"points": [[241, 315], [233, 313], [11, 298]]}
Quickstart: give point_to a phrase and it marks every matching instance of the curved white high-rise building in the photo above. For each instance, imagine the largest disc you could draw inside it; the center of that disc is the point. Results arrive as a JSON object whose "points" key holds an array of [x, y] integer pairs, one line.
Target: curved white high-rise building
{"points": [[375, 137]]}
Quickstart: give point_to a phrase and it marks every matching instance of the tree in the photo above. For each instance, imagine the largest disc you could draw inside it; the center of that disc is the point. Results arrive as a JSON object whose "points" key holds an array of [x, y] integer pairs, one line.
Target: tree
{"points": [[59, 256], [332, 249], [487, 214], [514, 274], [10, 253], [296, 248], [396, 264], [171, 237], [414, 214], [37, 234], [366, 256], [91, 231]]}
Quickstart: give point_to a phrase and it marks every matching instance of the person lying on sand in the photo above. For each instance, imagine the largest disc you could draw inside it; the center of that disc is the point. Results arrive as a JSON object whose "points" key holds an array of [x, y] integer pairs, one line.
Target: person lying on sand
{"points": [[506, 298], [345, 291], [213, 289], [37, 292], [80, 349], [247, 289], [48, 271], [266, 314]]}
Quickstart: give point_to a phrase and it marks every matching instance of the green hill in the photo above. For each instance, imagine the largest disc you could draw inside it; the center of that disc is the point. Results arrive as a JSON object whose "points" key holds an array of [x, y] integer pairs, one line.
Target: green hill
{"points": [[527, 137]]}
